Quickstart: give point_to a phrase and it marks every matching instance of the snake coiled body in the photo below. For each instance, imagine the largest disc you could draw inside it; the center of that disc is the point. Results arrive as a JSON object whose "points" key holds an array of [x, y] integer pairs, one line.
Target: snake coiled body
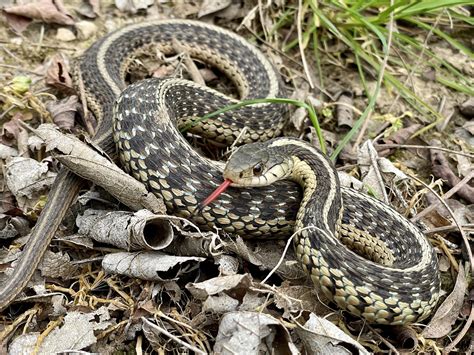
{"points": [[330, 218], [151, 149]]}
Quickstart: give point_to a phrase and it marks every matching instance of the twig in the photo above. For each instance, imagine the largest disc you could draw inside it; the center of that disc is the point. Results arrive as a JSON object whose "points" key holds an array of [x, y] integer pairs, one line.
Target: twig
{"points": [[188, 62], [19, 68], [449, 255], [409, 146], [462, 333], [383, 340], [173, 337], [445, 197], [11, 327], [448, 228], [51, 326], [82, 94], [287, 246], [453, 216]]}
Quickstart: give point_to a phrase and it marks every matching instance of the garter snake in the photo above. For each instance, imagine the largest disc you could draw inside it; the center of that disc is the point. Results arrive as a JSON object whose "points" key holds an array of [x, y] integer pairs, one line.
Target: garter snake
{"points": [[330, 218], [144, 132]]}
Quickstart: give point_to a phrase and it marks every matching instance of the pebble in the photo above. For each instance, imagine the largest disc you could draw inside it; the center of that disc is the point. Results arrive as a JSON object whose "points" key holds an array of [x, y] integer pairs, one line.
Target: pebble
{"points": [[467, 108], [65, 35], [85, 29]]}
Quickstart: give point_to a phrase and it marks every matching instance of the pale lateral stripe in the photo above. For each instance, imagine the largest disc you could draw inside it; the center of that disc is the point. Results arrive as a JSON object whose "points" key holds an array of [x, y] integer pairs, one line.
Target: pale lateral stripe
{"points": [[327, 166]]}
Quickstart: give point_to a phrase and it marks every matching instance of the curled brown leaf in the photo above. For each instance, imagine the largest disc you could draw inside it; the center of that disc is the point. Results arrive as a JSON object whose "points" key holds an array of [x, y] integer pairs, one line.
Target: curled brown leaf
{"points": [[57, 74], [49, 11]]}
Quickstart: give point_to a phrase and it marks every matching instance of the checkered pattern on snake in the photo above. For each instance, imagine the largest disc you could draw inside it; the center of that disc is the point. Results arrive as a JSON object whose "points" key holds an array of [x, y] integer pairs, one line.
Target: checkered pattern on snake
{"points": [[150, 148]]}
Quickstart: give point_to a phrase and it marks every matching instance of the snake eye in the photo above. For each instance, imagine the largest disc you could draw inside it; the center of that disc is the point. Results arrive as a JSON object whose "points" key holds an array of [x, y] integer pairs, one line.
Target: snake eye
{"points": [[257, 169]]}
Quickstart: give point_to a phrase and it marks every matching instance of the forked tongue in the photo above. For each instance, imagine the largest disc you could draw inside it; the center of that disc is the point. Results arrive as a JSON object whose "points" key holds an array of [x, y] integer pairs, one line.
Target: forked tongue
{"points": [[220, 189]]}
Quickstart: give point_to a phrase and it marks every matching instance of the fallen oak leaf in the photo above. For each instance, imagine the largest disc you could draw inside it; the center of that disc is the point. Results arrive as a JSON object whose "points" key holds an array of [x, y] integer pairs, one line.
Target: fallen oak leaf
{"points": [[320, 336], [442, 169], [64, 111], [49, 11], [212, 6], [57, 74], [441, 323], [88, 163], [17, 23]]}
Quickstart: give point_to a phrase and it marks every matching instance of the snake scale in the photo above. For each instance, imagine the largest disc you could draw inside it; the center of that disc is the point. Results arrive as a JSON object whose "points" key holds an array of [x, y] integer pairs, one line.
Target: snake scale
{"points": [[140, 121]]}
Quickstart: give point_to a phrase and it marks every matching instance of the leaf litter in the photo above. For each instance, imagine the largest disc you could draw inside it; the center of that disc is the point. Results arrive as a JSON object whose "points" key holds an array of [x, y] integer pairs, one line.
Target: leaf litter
{"points": [[204, 292]]}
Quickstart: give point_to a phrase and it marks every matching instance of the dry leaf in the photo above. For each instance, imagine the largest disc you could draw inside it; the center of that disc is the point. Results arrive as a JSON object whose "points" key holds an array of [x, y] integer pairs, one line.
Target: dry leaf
{"points": [[372, 167], [133, 6], [7, 152], [150, 265], [469, 126], [64, 111], [344, 112], [16, 22], [27, 179], [252, 333], [442, 321], [89, 9], [442, 169], [464, 166], [49, 11], [57, 74], [57, 265], [126, 230], [212, 6], [467, 108], [294, 299], [320, 336], [403, 134], [10, 130], [95, 6], [238, 284], [220, 304], [228, 265], [77, 332], [88, 163]]}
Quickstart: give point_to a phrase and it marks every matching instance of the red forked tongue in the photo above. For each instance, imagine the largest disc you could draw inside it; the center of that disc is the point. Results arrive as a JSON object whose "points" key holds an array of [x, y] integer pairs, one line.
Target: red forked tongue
{"points": [[220, 189]]}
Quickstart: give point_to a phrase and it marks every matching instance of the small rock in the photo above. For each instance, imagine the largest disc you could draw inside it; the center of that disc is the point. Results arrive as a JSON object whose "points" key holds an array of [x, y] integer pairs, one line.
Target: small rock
{"points": [[85, 29], [65, 35], [467, 108], [16, 40]]}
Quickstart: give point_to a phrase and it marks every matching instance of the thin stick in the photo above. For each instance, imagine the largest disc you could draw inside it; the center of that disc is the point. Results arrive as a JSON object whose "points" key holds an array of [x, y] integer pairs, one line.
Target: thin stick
{"points": [[409, 146], [448, 228], [445, 197], [188, 62], [82, 94], [462, 333], [173, 337], [453, 216], [287, 246]]}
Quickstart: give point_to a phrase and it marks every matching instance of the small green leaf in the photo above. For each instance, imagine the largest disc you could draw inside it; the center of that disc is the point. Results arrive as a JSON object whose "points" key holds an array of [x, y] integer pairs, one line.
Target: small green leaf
{"points": [[20, 84]]}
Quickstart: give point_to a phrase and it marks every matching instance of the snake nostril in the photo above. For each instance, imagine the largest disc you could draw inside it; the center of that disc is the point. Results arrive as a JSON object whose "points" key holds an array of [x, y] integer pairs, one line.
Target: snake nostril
{"points": [[241, 175]]}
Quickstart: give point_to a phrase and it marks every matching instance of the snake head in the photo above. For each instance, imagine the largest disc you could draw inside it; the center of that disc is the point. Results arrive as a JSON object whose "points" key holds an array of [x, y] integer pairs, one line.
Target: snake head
{"points": [[251, 165], [256, 164]]}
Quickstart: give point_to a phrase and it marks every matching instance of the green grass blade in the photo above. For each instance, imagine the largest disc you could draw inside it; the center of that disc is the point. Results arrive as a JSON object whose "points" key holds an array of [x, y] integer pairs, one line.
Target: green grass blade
{"points": [[311, 113]]}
